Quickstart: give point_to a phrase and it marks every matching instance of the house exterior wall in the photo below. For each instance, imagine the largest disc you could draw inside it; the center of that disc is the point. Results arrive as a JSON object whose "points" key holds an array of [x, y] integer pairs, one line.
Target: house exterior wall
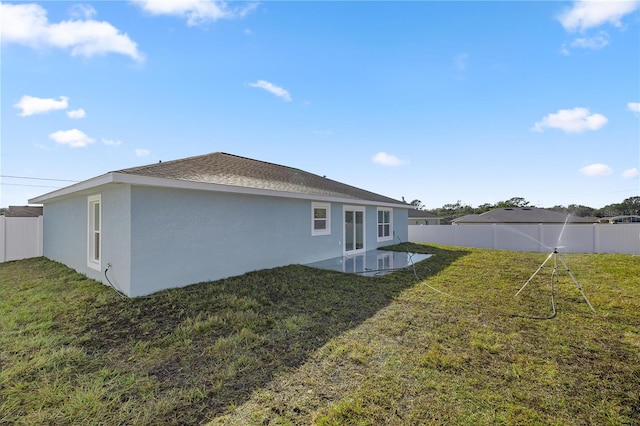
{"points": [[66, 230], [156, 238], [181, 237], [400, 220], [116, 236]]}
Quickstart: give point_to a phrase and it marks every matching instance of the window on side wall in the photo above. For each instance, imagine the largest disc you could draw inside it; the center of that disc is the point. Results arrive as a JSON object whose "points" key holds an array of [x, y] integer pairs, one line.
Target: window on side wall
{"points": [[320, 219], [385, 217], [94, 240]]}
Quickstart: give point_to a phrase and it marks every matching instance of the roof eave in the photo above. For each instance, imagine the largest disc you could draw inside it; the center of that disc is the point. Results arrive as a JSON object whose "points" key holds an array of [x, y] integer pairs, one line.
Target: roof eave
{"points": [[126, 178], [71, 189]]}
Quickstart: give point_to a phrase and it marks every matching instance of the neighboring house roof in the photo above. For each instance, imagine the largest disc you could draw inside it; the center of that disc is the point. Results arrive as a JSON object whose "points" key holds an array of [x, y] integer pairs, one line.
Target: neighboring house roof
{"points": [[23, 211], [521, 215], [231, 173], [621, 219], [422, 214]]}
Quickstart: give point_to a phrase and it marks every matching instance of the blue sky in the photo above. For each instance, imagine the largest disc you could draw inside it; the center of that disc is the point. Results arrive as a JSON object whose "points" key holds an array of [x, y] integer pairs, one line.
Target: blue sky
{"points": [[438, 101]]}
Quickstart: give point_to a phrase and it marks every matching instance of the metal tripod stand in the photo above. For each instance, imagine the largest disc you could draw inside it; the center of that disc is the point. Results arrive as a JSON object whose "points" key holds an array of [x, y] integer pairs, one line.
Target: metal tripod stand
{"points": [[556, 256]]}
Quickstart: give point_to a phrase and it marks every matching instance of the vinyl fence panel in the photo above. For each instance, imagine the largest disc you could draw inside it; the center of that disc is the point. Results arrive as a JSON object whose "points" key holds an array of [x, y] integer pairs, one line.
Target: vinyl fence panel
{"points": [[20, 237], [596, 238]]}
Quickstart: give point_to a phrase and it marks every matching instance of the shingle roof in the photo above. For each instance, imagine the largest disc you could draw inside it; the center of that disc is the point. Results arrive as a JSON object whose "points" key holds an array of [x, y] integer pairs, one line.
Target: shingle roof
{"points": [[227, 169], [422, 214], [522, 215], [23, 211]]}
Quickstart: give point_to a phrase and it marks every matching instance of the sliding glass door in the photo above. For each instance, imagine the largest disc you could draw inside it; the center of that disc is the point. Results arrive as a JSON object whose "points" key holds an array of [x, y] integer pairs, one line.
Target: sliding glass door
{"points": [[353, 230]]}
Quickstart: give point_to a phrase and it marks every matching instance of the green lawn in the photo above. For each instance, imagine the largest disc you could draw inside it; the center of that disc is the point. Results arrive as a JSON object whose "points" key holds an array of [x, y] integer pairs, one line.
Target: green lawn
{"points": [[296, 345]]}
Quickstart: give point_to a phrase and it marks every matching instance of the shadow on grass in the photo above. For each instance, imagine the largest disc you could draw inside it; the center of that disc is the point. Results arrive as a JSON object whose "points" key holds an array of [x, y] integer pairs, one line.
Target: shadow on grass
{"points": [[207, 347]]}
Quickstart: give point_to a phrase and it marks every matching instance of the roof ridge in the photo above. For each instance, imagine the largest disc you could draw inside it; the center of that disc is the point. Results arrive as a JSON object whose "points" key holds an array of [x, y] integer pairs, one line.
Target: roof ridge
{"points": [[146, 166]]}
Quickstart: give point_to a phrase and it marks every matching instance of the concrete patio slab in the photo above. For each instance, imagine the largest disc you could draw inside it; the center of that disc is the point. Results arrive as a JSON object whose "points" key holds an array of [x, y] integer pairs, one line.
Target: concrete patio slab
{"points": [[371, 263]]}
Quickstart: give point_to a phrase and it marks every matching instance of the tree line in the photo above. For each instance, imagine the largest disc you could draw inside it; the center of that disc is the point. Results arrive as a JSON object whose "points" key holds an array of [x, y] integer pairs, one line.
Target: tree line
{"points": [[448, 212]]}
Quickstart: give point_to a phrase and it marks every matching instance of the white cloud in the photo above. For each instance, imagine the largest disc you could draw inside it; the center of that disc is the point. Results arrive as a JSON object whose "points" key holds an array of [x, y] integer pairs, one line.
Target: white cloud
{"points": [[111, 142], [387, 159], [593, 43], [76, 113], [633, 106], [74, 138], [597, 169], [272, 88], [196, 12], [82, 11], [574, 120], [631, 173], [27, 24], [142, 152], [586, 14], [31, 105]]}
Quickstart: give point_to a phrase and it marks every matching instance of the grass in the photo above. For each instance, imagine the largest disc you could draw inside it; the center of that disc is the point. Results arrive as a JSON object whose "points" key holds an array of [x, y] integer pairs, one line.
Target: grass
{"points": [[296, 345]]}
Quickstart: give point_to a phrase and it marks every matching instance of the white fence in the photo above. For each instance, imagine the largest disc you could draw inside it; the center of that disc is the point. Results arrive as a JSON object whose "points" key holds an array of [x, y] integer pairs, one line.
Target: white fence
{"points": [[20, 237], [618, 238]]}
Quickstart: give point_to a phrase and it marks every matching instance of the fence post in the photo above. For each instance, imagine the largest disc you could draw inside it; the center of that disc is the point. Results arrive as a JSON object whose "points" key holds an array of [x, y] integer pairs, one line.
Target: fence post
{"points": [[3, 238], [540, 237], [596, 238], [494, 234], [40, 240], [455, 235]]}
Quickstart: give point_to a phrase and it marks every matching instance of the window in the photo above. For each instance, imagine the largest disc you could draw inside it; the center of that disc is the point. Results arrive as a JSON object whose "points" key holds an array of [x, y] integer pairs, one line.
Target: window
{"points": [[384, 224], [94, 230], [320, 219], [385, 261]]}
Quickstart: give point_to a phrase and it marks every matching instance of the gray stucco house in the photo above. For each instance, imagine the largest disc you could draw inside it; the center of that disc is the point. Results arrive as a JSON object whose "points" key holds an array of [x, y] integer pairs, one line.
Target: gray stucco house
{"points": [[208, 217]]}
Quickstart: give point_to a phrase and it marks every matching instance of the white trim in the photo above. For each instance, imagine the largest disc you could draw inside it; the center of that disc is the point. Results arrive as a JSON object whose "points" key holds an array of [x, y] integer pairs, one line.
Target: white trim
{"points": [[390, 236], [327, 229], [352, 208], [115, 177], [76, 187], [92, 231]]}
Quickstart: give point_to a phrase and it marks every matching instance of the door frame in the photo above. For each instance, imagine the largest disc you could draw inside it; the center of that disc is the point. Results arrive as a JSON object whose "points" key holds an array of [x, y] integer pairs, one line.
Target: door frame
{"points": [[354, 209]]}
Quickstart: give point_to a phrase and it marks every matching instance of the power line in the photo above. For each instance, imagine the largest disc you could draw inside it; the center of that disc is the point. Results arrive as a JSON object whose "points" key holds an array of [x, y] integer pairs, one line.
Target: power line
{"points": [[35, 178], [33, 186]]}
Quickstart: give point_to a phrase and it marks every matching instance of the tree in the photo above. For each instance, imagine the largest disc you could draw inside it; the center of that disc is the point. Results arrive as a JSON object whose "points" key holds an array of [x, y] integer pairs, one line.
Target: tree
{"points": [[418, 204], [513, 202], [630, 206], [579, 210], [483, 208], [448, 212], [558, 208]]}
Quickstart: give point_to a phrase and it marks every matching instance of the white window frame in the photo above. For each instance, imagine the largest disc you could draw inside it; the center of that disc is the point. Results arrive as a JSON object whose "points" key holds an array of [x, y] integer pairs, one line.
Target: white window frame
{"points": [[378, 223], [327, 208], [94, 260]]}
